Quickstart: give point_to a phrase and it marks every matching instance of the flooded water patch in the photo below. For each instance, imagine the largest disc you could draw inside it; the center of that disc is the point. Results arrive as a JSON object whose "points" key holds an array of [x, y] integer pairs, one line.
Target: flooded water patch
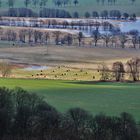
{"points": [[35, 67], [128, 26]]}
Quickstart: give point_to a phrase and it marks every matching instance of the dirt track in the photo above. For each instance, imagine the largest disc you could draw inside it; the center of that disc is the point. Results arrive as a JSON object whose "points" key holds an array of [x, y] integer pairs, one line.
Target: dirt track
{"points": [[68, 56]]}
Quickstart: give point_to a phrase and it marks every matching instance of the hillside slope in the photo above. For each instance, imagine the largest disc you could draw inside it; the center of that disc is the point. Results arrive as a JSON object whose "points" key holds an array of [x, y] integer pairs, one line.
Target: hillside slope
{"points": [[85, 5]]}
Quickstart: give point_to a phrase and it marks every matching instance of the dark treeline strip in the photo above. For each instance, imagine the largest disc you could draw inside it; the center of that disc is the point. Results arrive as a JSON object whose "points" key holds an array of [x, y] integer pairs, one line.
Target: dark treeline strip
{"points": [[112, 14], [44, 12], [60, 3], [26, 116], [60, 13]]}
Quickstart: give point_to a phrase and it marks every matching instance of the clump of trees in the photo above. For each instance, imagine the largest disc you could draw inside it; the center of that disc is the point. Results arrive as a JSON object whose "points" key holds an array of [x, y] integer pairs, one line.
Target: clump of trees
{"points": [[112, 14], [104, 72], [25, 116], [64, 3], [43, 12], [54, 13], [134, 68], [119, 71]]}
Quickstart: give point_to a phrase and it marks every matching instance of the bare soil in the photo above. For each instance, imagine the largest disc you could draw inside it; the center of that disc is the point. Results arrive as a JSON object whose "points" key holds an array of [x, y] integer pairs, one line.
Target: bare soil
{"points": [[68, 56]]}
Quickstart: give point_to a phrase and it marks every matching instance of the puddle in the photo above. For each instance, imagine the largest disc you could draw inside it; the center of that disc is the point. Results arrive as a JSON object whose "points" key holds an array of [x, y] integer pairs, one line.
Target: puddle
{"points": [[30, 68]]}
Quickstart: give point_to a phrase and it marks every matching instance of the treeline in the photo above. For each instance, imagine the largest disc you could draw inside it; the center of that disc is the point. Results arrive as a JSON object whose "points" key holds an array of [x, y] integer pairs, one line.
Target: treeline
{"points": [[121, 72], [27, 9], [112, 14], [54, 13], [35, 36], [59, 13], [113, 2], [44, 12], [39, 3], [26, 116], [43, 3]]}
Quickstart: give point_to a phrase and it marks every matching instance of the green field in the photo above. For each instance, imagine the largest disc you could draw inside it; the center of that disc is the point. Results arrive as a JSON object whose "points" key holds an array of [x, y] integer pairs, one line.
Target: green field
{"points": [[87, 5], [110, 98]]}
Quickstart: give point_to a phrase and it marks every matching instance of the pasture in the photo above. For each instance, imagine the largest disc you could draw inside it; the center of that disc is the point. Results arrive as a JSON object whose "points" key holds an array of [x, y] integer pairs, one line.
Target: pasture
{"points": [[96, 97]]}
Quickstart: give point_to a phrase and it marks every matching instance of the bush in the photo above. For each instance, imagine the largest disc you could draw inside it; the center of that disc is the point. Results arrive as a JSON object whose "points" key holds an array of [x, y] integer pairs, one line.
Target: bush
{"points": [[5, 69]]}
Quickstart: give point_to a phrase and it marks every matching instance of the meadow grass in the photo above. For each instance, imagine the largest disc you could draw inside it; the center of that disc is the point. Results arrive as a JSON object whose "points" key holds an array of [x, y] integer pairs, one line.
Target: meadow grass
{"points": [[62, 73], [95, 97]]}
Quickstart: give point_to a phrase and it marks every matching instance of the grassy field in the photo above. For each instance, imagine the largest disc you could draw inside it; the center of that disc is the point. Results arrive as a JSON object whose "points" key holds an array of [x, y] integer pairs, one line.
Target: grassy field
{"points": [[110, 98], [56, 73], [88, 5]]}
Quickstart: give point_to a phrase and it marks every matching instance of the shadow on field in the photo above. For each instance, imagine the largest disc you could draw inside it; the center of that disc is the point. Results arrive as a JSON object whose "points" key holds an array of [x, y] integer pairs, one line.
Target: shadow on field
{"points": [[102, 82], [87, 82]]}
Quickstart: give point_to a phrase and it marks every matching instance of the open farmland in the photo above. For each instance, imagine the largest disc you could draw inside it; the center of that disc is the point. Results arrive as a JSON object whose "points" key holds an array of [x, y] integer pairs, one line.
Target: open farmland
{"points": [[70, 56], [84, 6], [110, 98], [69, 70], [62, 62]]}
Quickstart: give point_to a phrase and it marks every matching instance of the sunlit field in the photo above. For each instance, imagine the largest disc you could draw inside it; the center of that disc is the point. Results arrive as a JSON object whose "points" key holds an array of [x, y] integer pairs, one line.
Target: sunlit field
{"points": [[109, 98]]}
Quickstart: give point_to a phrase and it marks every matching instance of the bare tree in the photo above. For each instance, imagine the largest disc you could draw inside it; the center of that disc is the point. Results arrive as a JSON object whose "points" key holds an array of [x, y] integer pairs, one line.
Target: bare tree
{"points": [[134, 41], [134, 37], [11, 3], [80, 36], [35, 2], [11, 35], [123, 39], [30, 33], [96, 36], [43, 3], [104, 72], [134, 68], [113, 41], [57, 37], [46, 37], [22, 35], [118, 71], [27, 2], [75, 2], [106, 38]]}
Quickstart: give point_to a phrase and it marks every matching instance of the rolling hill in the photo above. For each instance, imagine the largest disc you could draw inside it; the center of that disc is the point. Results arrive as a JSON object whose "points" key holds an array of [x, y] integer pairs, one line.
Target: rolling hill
{"points": [[84, 6]]}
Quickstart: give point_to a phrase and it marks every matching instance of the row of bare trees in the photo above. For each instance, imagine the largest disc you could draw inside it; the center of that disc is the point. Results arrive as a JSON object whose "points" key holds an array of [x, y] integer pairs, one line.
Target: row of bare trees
{"points": [[118, 71], [54, 23], [113, 14], [35, 37], [26, 116], [123, 40]]}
